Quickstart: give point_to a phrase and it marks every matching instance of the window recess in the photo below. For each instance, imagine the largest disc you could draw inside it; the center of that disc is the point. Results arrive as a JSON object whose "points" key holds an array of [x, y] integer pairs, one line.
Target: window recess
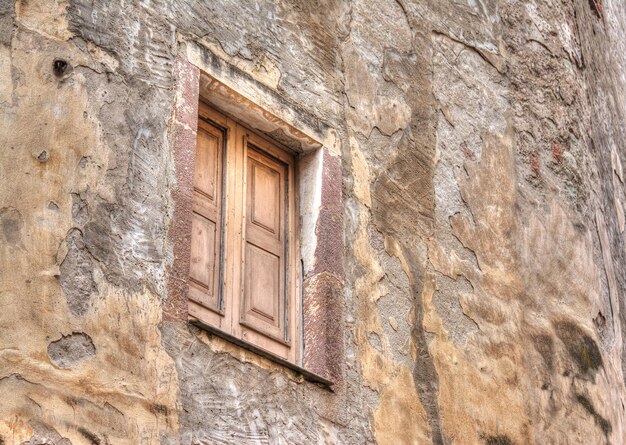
{"points": [[257, 230]]}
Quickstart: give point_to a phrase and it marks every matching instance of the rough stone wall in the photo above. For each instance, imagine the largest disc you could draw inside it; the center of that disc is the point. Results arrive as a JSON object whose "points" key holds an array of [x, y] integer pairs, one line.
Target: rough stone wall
{"points": [[482, 146]]}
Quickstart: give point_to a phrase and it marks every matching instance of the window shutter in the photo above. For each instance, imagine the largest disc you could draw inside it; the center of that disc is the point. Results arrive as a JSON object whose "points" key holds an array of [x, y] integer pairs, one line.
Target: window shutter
{"points": [[206, 223], [265, 249], [242, 280]]}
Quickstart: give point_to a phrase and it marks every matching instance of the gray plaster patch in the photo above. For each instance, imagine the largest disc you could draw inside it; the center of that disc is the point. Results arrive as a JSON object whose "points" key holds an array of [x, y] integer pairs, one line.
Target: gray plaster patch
{"points": [[71, 350], [375, 341], [397, 304], [76, 277], [248, 404], [80, 210], [447, 302], [7, 14], [11, 223], [44, 435]]}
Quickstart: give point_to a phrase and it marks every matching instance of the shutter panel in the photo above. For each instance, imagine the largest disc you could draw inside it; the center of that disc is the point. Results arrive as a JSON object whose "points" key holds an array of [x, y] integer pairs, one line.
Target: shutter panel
{"points": [[264, 285], [207, 214]]}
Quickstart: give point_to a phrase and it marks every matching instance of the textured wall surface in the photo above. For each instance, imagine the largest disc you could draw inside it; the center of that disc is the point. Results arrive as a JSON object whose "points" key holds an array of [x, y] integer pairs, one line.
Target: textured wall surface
{"points": [[483, 188]]}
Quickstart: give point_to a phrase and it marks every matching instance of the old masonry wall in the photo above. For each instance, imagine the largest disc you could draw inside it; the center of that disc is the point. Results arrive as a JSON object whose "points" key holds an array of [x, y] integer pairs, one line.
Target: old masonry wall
{"points": [[482, 144]]}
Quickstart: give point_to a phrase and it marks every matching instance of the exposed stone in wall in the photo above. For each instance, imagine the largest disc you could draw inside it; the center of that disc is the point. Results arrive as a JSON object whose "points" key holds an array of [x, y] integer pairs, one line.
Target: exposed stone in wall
{"points": [[483, 190], [71, 350]]}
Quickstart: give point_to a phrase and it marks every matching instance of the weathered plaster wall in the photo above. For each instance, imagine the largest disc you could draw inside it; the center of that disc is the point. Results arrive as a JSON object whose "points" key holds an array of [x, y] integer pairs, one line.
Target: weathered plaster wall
{"points": [[482, 146]]}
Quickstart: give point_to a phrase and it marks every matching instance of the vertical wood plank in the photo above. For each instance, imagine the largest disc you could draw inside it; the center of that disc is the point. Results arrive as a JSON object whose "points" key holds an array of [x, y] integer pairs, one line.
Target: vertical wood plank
{"points": [[206, 237]]}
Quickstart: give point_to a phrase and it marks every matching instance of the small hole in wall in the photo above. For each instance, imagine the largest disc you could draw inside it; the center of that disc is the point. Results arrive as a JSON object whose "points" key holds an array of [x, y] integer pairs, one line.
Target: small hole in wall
{"points": [[60, 67], [596, 8], [600, 320]]}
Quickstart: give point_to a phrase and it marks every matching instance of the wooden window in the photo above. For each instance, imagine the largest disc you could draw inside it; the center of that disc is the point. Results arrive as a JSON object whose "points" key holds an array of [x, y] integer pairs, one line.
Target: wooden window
{"points": [[244, 280]]}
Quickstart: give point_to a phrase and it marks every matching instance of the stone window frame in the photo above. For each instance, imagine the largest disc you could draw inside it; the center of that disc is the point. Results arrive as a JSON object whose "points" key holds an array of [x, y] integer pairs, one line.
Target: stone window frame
{"points": [[202, 74]]}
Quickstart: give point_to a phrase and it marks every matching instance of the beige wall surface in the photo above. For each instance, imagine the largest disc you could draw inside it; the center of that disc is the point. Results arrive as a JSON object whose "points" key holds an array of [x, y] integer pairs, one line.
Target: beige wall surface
{"points": [[482, 144]]}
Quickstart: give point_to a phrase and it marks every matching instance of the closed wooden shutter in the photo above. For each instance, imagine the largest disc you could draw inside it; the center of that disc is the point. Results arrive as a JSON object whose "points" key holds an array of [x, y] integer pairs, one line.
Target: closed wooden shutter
{"points": [[265, 244], [243, 276], [207, 213]]}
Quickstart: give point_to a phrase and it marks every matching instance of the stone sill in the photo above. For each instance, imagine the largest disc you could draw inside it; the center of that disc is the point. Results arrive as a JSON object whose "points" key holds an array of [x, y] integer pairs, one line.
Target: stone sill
{"points": [[306, 375]]}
